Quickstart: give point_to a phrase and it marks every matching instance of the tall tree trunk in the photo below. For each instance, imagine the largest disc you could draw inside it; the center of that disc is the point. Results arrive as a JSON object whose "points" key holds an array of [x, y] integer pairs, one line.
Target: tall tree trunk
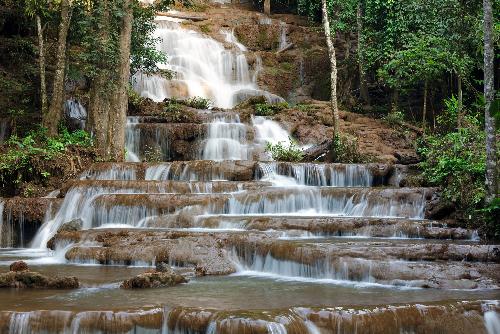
{"points": [[100, 93], [489, 95], [424, 108], [118, 114], [41, 64], [267, 7], [460, 101], [333, 75], [56, 103], [363, 88]]}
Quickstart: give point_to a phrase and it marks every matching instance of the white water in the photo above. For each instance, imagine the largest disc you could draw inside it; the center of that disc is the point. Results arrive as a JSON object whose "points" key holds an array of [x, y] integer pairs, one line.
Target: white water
{"points": [[132, 139], [116, 172], [311, 201], [492, 322], [76, 112], [202, 67], [269, 131], [333, 175], [226, 140]]}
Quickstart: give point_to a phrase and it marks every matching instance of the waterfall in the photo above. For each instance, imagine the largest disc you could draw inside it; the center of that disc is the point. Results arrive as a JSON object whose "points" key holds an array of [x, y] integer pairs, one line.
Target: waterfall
{"points": [[2, 228], [283, 42], [132, 139], [269, 131], [332, 175], [76, 114], [201, 65], [226, 140]]}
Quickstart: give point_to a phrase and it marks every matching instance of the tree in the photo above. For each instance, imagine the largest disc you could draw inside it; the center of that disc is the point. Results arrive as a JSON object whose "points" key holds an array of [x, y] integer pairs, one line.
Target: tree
{"points": [[333, 69], [56, 103], [118, 114], [39, 9], [489, 95]]}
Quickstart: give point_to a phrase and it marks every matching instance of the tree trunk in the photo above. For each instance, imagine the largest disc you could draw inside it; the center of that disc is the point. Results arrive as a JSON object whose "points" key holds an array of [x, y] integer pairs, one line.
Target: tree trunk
{"points": [[363, 88], [56, 103], [489, 95], [267, 7], [333, 65], [100, 93], [118, 114], [460, 101], [424, 108], [41, 63], [395, 100]]}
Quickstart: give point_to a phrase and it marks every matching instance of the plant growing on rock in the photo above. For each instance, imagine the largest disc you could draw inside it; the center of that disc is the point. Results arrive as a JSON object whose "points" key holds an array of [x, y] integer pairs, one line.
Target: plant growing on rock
{"points": [[198, 102], [269, 109], [283, 152]]}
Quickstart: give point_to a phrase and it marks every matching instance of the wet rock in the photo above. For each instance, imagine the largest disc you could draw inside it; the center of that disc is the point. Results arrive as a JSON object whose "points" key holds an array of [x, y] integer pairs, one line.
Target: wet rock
{"points": [[436, 208], [407, 157], [71, 226], [34, 280], [163, 276], [19, 266]]}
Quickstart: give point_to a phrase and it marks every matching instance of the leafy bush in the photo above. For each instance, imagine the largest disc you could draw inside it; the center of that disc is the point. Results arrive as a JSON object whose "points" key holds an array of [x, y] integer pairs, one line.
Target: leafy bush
{"points": [[134, 98], [24, 159], [198, 102], [345, 149], [394, 117], [268, 109], [456, 161], [280, 152]]}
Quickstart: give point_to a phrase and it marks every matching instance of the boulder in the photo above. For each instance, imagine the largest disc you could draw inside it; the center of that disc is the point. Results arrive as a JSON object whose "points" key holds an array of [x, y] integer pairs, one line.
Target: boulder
{"points": [[71, 226], [34, 280], [18, 266], [163, 276]]}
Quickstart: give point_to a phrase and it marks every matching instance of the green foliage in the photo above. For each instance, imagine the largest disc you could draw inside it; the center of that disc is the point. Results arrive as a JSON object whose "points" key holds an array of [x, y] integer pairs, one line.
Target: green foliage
{"points": [[269, 109], [345, 149], [394, 117], [282, 152], [20, 160], [134, 98], [455, 161], [198, 102], [490, 215]]}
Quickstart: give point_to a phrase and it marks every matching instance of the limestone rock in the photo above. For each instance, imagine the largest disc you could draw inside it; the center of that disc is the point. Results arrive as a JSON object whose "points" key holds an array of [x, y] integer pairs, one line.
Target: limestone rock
{"points": [[71, 226], [155, 279], [34, 280], [18, 266]]}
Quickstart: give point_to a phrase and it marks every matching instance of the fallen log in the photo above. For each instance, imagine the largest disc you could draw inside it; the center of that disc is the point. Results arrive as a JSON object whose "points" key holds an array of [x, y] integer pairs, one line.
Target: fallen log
{"points": [[313, 153], [182, 16]]}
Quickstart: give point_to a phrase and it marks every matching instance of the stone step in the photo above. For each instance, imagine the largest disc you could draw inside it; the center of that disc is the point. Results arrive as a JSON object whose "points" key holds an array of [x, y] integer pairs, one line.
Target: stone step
{"points": [[205, 170], [436, 265], [158, 187], [314, 226], [452, 317]]}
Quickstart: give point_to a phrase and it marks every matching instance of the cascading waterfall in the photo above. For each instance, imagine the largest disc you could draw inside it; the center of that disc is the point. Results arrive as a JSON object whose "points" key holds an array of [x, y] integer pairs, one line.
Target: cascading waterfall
{"points": [[132, 139], [226, 140], [269, 131], [76, 113], [347, 175], [202, 67]]}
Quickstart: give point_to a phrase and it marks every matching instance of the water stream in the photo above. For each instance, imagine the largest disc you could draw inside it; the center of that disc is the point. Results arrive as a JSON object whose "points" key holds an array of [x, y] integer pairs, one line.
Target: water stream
{"points": [[282, 218]]}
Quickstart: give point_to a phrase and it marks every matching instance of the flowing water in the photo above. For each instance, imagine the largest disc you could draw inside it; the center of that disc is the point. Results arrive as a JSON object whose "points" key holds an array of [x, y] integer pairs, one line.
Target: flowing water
{"points": [[305, 247]]}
